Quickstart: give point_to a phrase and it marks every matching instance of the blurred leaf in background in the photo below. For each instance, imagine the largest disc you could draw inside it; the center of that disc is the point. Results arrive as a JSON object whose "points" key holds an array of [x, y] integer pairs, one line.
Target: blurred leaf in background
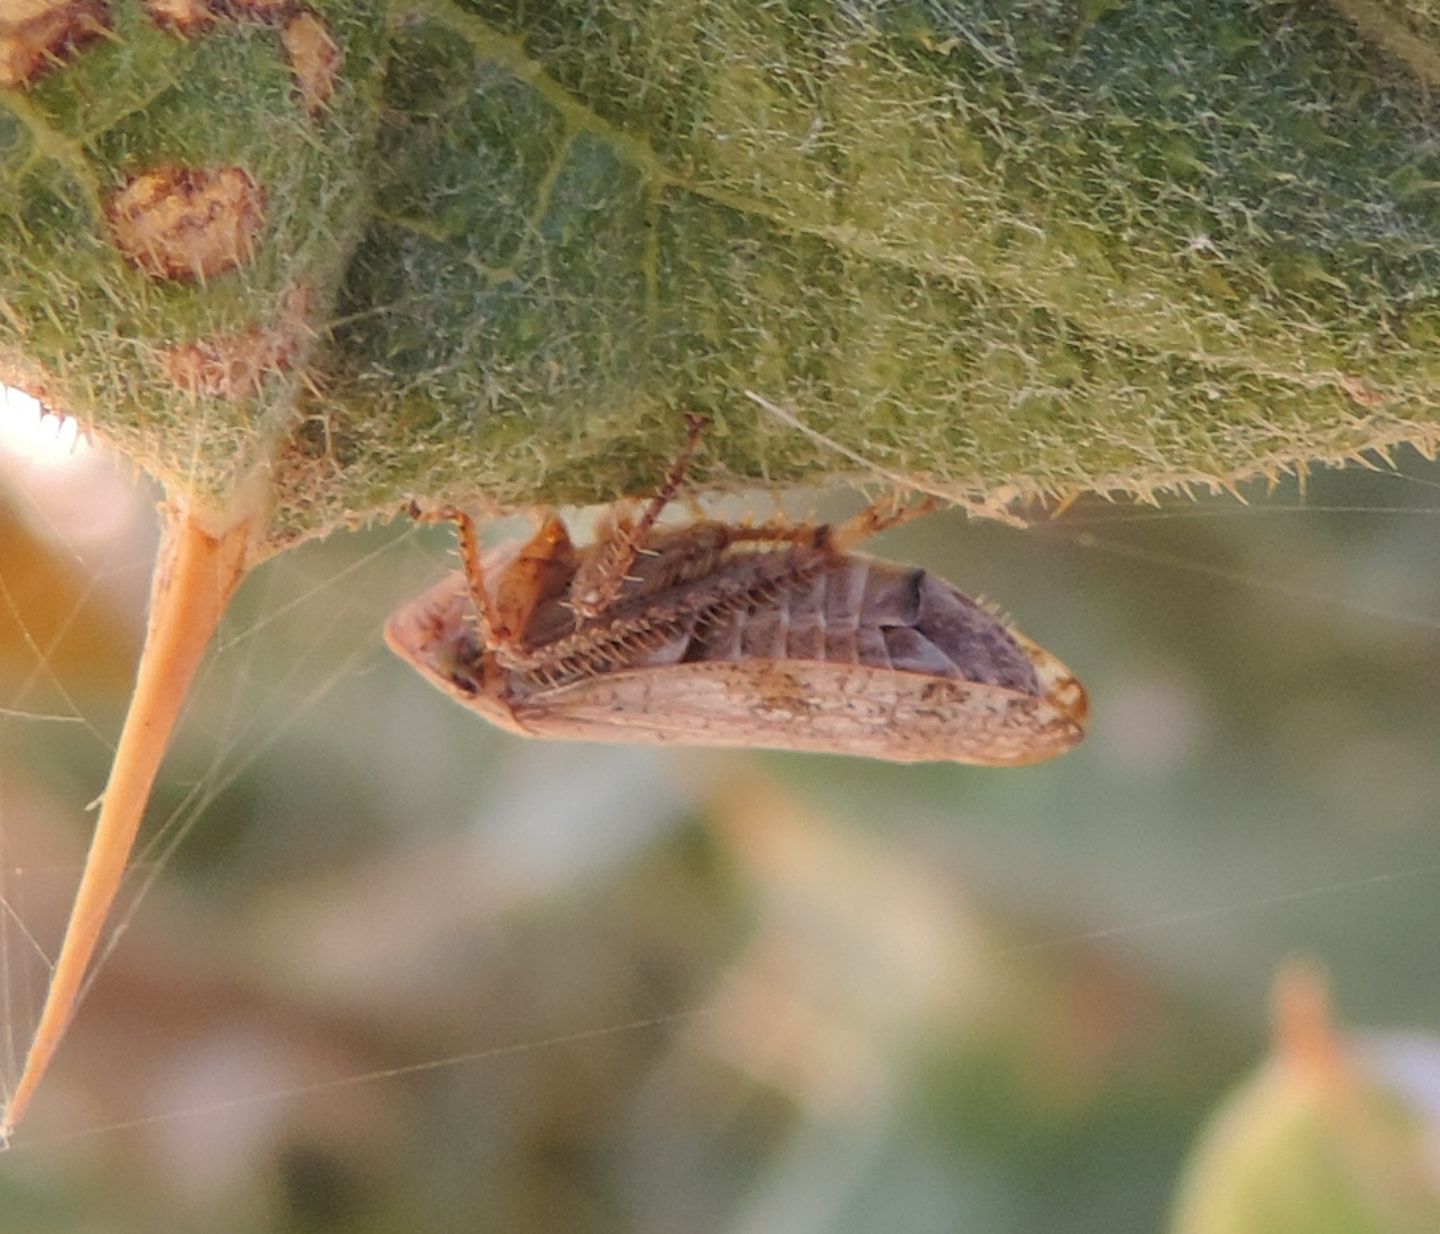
{"points": [[1337, 1132]]}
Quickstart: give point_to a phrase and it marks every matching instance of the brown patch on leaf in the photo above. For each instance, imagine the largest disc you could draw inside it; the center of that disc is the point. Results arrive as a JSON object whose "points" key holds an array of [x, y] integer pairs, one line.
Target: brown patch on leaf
{"points": [[188, 222], [183, 16], [313, 53], [234, 366], [39, 35], [314, 58]]}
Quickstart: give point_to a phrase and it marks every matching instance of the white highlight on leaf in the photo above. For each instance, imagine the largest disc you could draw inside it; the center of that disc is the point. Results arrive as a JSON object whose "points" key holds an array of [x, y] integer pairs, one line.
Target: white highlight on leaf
{"points": [[36, 438], [70, 491]]}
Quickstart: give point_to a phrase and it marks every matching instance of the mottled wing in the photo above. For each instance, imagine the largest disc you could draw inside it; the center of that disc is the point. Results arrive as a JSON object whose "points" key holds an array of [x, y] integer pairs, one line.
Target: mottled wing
{"points": [[809, 705]]}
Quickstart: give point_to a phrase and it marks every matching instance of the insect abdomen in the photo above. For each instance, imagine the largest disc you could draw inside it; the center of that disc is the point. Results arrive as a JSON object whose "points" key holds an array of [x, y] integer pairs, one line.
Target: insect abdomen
{"points": [[869, 613]]}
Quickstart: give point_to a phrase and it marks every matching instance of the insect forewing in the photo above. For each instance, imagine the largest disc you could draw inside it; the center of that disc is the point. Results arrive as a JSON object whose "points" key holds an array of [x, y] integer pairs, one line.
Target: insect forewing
{"points": [[808, 705]]}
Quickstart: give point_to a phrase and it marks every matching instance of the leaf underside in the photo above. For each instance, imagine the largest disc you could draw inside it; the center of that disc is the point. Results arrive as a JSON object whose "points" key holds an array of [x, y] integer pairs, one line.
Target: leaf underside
{"points": [[1007, 249]]}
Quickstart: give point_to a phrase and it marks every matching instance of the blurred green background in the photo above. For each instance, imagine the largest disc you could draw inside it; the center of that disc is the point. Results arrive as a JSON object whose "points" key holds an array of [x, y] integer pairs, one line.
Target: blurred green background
{"points": [[404, 972]]}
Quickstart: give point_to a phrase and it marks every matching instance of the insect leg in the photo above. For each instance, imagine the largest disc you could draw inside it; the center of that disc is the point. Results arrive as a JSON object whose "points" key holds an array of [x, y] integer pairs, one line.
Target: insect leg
{"points": [[601, 575], [534, 572], [842, 537], [879, 516], [486, 613]]}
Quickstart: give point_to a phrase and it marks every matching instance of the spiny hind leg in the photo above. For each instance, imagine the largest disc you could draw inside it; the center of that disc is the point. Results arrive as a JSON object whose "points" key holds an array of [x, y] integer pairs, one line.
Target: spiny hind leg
{"points": [[604, 571], [837, 538], [889, 512]]}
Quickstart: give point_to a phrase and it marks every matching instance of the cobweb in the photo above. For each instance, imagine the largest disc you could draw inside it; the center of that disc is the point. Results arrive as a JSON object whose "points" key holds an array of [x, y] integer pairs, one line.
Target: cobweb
{"points": [[363, 928]]}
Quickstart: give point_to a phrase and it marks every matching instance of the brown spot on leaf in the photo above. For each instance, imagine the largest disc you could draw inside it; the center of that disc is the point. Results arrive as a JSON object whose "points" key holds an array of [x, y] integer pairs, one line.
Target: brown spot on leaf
{"points": [[314, 58], [182, 16], [188, 222], [38, 35], [234, 366], [313, 54]]}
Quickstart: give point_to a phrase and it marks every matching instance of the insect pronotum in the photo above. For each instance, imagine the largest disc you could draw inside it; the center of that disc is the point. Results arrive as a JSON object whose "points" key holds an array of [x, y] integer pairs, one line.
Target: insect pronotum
{"points": [[724, 634]]}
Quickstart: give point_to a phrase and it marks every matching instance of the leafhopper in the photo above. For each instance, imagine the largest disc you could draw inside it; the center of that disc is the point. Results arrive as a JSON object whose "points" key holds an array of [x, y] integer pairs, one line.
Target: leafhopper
{"points": [[774, 636]]}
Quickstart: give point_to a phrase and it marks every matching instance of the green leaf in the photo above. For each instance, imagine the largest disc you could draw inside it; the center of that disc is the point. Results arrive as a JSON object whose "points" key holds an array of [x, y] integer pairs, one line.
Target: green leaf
{"points": [[1005, 248]]}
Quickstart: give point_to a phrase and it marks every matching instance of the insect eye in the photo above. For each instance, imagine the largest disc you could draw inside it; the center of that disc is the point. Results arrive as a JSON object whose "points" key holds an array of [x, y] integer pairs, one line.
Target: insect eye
{"points": [[464, 684], [454, 667]]}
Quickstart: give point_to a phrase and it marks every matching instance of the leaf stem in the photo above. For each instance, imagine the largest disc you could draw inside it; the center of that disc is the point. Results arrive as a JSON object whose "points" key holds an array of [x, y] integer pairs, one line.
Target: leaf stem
{"points": [[196, 575]]}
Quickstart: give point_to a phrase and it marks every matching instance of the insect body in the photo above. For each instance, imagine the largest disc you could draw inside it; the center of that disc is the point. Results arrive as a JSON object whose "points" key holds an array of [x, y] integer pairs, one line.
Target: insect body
{"points": [[729, 635]]}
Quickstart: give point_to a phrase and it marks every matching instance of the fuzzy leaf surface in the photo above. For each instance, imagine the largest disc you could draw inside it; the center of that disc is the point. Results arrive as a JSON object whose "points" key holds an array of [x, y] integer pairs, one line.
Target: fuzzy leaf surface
{"points": [[1004, 248]]}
